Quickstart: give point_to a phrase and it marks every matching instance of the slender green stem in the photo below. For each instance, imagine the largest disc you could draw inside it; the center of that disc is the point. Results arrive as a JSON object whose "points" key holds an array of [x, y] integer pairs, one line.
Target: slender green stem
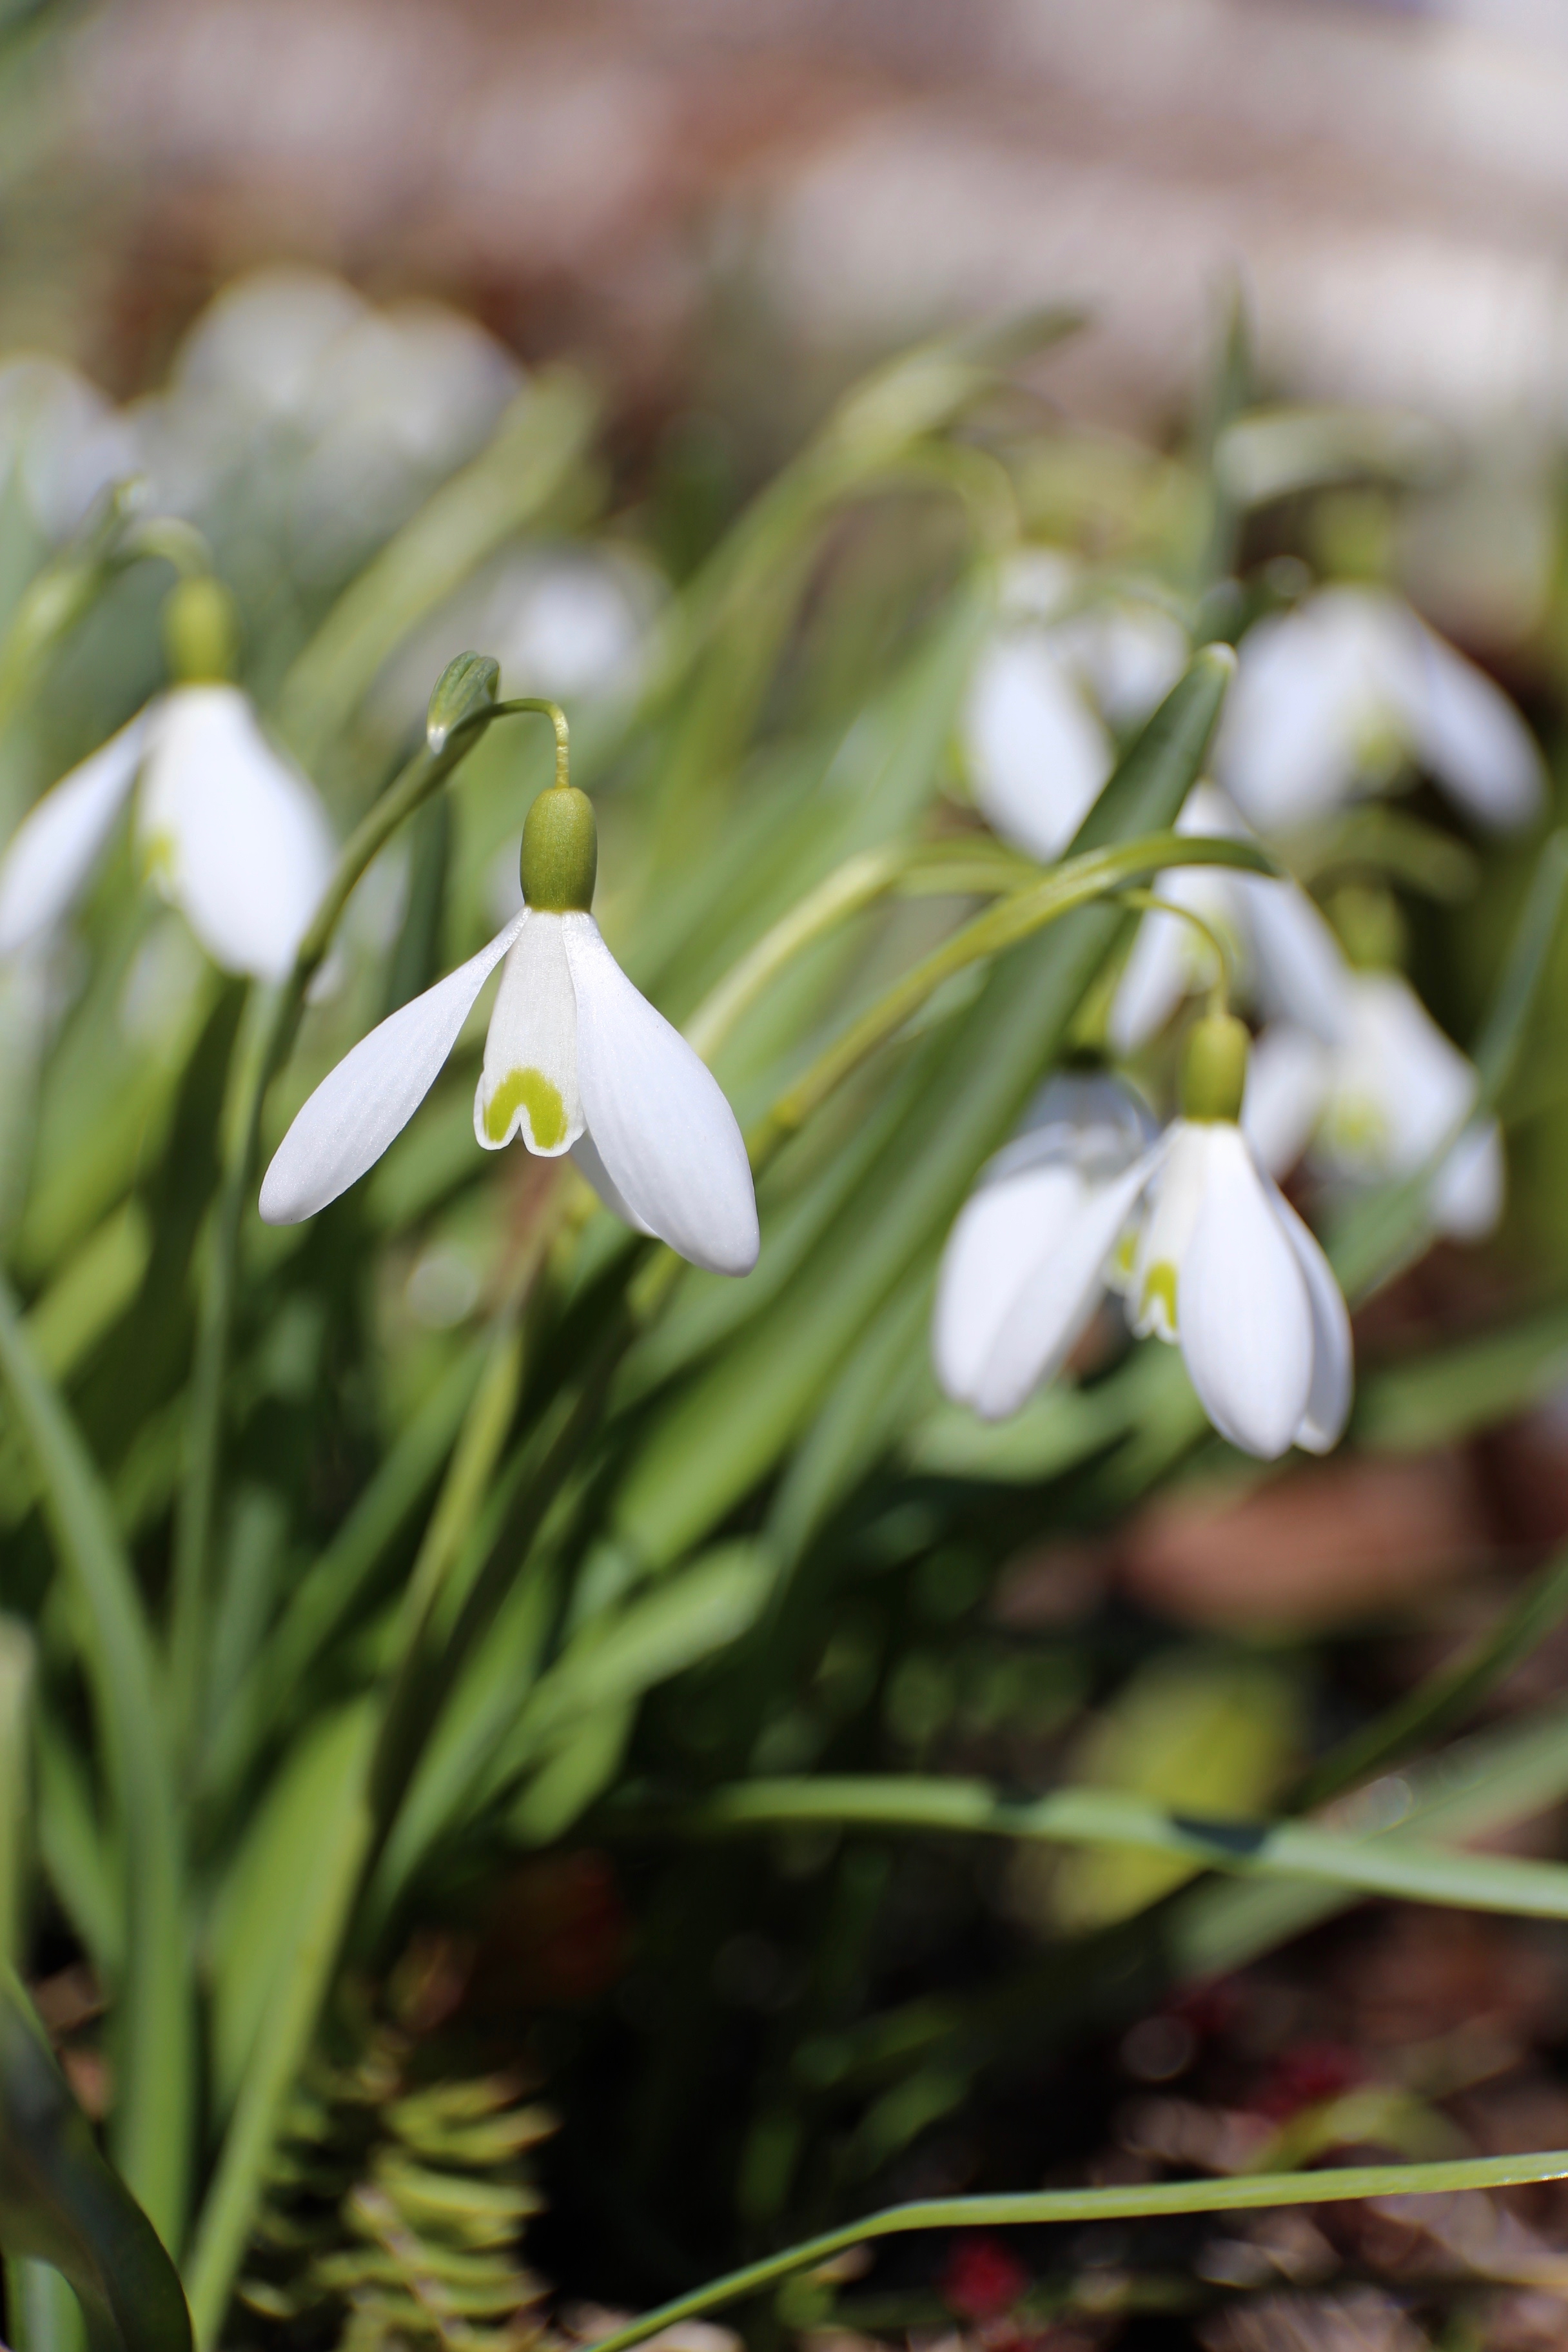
{"points": [[922, 868], [1377, 1864], [196, 1509], [1097, 873], [1151, 903], [1242, 2193]]}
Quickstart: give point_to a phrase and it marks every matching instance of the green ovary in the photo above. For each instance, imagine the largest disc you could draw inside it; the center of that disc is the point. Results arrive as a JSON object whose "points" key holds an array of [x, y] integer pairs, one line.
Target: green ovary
{"points": [[542, 1102]]}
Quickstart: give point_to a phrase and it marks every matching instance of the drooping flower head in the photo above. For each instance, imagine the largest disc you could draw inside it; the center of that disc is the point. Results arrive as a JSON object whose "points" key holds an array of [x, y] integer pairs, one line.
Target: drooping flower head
{"points": [[1330, 696], [227, 829], [1056, 676], [576, 1060], [1208, 1252]]}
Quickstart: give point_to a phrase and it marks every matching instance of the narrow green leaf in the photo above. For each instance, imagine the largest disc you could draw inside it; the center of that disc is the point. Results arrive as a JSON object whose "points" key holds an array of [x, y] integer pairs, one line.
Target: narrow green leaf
{"points": [[60, 2203], [1446, 1394], [318, 1906], [154, 2116]]}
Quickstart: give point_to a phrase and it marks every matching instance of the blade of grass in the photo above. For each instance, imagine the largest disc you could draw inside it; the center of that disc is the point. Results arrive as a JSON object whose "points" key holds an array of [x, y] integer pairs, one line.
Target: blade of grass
{"points": [[1243, 2193], [1387, 1865]]}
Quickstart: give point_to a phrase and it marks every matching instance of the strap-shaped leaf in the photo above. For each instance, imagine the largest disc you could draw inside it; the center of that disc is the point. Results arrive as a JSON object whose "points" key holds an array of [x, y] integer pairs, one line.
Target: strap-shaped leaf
{"points": [[60, 2202]]}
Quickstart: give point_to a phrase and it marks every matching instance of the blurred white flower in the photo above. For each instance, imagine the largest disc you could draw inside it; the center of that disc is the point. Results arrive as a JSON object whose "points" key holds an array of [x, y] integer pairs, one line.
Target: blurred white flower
{"points": [[1210, 1255], [1332, 697], [351, 415], [61, 441], [1053, 679], [229, 832], [1378, 1103], [575, 1060], [1285, 958], [569, 622]]}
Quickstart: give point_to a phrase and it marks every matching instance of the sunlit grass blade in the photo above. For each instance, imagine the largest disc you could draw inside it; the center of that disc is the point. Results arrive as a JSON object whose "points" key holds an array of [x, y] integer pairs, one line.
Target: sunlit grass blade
{"points": [[1246, 2192], [1392, 1866]]}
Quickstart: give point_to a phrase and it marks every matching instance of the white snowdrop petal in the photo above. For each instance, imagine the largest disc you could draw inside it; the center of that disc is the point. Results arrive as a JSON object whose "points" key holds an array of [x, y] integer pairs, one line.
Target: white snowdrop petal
{"points": [[369, 1099], [663, 1130], [57, 845], [1469, 1190], [1038, 756], [1245, 1314], [1286, 749], [1288, 1073], [1301, 967], [1400, 1085], [586, 1158], [1473, 739], [1050, 1312], [1002, 1232], [528, 1083], [1150, 1281], [1328, 1405], [232, 832]]}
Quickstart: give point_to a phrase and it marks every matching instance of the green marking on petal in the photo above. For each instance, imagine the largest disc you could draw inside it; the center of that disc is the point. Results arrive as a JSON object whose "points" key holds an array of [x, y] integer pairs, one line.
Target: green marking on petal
{"points": [[159, 857], [536, 1095], [1160, 1289]]}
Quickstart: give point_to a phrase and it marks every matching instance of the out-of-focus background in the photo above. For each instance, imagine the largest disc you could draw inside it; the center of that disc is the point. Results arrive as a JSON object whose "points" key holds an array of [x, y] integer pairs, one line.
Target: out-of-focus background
{"points": [[300, 258], [693, 194]]}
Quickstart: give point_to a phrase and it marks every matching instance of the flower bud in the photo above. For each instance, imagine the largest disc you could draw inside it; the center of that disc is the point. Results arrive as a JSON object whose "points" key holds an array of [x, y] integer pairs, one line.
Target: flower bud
{"points": [[1213, 1067], [560, 858], [201, 631]]}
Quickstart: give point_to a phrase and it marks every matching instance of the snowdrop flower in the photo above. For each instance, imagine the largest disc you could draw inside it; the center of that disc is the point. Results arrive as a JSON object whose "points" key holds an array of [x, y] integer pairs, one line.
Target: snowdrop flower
{"points": [[1286, 957], [1330, 696], [1207, 1251], [576, 1060], [229, 831], [1036, 742], [1379, 1102]]}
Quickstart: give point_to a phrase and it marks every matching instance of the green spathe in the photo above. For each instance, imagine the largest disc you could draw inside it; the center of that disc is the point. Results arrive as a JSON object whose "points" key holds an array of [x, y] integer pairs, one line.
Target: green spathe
{"points": [[201, 631], [560, 858], [1213, 1067]]}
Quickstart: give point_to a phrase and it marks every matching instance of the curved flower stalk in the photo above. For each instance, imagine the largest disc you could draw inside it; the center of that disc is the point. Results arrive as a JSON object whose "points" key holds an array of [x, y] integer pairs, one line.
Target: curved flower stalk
{"points": [[229, 831], [575, 1061], [1378, 1102], [1285, 958], [1332, 697], [1049, 687], [1208, 1253]]}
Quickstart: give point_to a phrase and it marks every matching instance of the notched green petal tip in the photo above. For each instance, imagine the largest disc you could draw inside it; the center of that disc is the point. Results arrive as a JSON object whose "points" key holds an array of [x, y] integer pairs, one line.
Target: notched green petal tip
{"points": [[1213, 1067], [559, 860], [201, 631], [535, 1093]]}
